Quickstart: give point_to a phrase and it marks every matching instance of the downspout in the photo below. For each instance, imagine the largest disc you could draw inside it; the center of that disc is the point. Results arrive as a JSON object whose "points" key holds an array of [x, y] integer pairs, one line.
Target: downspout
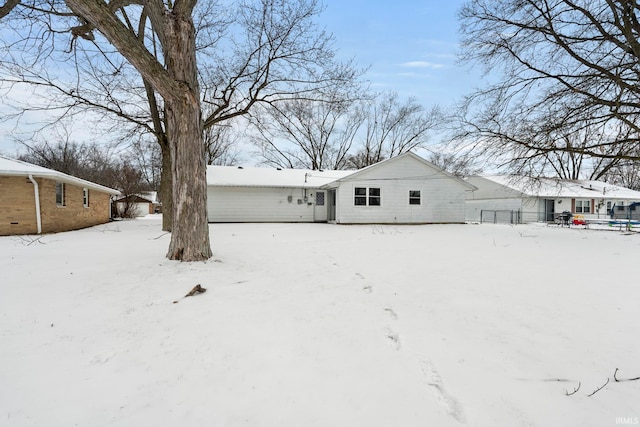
{"points": [[36, 191]]}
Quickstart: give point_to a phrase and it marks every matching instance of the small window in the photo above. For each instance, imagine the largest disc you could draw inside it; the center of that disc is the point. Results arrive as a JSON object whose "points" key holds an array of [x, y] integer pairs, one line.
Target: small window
{"points": [[414, 197], [320, 198], [360, 198], [60, 194], [85, 197], [583, 206], [374, 197]]}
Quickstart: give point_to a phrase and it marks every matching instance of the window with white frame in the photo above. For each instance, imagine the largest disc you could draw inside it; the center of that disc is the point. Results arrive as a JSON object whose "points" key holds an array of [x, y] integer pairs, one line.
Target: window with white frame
{"points": [[583, 206], [414, 197], [85, 197], [367, 196], [60, 194]]}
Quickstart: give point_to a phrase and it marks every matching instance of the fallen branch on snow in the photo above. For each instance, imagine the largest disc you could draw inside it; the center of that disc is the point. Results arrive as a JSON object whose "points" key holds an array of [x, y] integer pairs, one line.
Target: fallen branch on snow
{"points": [[626, 379], [197, 289], [575, 390], [599, 388]]}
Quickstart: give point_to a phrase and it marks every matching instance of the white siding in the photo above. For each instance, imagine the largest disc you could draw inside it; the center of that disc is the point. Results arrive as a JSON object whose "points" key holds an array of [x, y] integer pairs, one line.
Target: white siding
{"points": [[442, 196], [531, 209], [137, 209], [490, 190], [259, 204], [492, 196], [474, 208]]}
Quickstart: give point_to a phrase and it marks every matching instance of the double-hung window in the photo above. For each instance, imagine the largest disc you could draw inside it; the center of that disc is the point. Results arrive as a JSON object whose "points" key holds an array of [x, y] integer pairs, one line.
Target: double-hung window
{"points": [[583, 206], [414, 197], [367, 196], [85, 197]]}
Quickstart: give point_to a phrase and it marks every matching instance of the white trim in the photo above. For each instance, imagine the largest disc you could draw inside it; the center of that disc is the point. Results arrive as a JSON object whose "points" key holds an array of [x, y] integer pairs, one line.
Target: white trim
{"points": [[12, 167]]}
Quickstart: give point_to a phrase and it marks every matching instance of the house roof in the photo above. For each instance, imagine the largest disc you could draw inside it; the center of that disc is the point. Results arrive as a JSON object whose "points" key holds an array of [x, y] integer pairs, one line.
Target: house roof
{"points": [[134, 198], [12, 167], [555, 187], [439, 171], [233, 176]]}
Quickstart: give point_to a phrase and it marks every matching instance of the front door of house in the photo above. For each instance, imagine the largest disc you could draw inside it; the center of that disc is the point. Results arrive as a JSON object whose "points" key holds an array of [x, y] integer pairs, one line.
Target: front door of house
{"points": [[549, 210], [320, 206]]}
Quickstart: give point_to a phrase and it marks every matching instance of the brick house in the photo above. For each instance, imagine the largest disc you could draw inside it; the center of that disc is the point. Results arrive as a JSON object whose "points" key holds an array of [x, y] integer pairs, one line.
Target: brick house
{"points": [[35, 200]]}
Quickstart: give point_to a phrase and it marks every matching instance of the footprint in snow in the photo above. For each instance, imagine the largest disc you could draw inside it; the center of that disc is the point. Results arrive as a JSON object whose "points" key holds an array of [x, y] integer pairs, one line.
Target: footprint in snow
{"points": [[444, 399], [392, 314], [393, 338]]}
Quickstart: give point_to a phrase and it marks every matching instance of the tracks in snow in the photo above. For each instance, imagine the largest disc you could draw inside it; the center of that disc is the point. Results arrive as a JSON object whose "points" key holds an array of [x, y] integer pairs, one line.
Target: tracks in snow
{"points": [[431, 376]]}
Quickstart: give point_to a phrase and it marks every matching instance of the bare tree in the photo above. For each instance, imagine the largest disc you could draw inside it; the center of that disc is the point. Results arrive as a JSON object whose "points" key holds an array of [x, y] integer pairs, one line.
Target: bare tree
{"points": [[146, 156], [249, 52], [129, 180], [392, 127], [221, 144], [166, 62], [626, 174], [307, 134], [569, 69], [460, 165], [282, 58]]}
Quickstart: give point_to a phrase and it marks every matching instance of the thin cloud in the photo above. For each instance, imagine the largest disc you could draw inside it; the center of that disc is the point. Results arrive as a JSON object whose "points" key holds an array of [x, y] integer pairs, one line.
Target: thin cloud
{"points": [[422, 64]]}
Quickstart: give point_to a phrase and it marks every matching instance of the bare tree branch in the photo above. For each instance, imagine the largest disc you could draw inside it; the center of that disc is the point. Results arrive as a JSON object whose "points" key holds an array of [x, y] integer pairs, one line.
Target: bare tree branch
{"points": [[599, 388], [627, 379], [575, 390]]}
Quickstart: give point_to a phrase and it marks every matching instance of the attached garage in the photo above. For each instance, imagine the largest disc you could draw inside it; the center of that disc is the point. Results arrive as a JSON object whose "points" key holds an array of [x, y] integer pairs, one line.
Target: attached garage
{"points": [[239, 194]]}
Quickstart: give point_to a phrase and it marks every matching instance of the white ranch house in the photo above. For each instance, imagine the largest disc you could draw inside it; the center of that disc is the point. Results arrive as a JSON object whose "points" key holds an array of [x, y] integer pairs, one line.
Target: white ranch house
{"points": [[543, 199], [405, 190]]}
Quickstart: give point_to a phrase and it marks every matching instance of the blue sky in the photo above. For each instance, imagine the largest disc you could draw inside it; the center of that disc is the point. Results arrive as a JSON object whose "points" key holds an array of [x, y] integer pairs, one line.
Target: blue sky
{"points": [[409, 45]]}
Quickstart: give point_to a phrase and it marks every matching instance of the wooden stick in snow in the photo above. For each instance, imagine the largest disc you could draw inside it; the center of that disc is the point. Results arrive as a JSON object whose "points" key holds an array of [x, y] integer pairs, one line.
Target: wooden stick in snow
{"points": [[626, 379], [599, 388], [197, 289]]}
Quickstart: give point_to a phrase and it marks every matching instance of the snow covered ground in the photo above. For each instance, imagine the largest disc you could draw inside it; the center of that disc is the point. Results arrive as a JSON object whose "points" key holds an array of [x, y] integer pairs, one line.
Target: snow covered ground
{"points": [[321, 325]]}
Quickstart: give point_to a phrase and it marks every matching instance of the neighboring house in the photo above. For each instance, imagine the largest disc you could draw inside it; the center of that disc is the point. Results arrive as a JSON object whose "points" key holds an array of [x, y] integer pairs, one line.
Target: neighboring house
{"points": [[138, 204], [35, 200], [405, 190], [500, 197]]}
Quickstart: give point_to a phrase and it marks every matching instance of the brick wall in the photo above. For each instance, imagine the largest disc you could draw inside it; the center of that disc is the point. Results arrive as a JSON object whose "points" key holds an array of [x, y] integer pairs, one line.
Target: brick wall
{"points": [[17, 207]]}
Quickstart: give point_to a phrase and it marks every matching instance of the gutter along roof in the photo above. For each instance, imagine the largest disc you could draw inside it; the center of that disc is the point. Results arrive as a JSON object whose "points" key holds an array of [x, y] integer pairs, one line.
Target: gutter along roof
{"points": [[233, 176], [12, 167]]}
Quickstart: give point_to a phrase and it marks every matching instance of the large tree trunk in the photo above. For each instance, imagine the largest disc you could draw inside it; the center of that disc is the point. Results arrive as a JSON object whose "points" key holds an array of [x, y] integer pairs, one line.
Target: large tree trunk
{"points": [[177, 83], [190, 227], [166, 186]]}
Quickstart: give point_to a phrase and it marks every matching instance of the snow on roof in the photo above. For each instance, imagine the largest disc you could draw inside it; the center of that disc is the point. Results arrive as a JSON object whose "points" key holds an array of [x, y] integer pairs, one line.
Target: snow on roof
{"points": [[555, 187], [12, 167], [234, 176]]}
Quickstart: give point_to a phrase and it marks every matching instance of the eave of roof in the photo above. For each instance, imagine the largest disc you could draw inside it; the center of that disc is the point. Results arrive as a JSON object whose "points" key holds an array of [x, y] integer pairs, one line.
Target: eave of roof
{"points": [[233, 176], [555, 187], [12, 167]]}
